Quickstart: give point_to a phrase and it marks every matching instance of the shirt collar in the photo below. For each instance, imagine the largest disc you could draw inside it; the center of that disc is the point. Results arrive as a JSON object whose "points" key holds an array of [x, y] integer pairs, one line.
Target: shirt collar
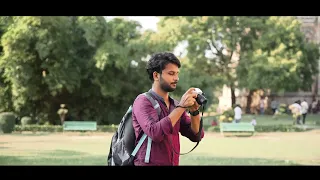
{"points": [[161, 98]]}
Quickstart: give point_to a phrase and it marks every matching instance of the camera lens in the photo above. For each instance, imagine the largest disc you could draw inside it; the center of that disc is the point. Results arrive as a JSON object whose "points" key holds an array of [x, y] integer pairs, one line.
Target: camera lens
{"points": [[201, 99]]}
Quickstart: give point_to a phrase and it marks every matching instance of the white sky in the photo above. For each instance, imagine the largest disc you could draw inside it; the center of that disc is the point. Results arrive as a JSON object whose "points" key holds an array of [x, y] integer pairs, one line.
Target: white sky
{"points": [[147, 22], [150, 22]]}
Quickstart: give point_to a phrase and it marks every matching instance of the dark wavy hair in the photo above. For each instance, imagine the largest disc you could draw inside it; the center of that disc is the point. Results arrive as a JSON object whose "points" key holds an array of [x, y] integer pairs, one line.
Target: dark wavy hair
{"points": [[158, 62]]}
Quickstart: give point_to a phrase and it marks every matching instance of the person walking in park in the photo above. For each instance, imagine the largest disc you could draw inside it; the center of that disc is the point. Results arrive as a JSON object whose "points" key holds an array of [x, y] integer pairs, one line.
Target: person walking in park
{"points": [[163, 71], [296, 111], [274, 106], [304, 110], [237, 113]]}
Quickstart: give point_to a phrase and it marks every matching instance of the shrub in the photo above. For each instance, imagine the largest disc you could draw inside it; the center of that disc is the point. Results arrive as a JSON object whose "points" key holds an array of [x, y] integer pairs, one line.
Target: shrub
{"points": [[107, 128], [268, 111], [26, 121], [59, 128], [268, 128], [282, 109], [113, 128], [39, 128], [227, 116], [7, 122]]}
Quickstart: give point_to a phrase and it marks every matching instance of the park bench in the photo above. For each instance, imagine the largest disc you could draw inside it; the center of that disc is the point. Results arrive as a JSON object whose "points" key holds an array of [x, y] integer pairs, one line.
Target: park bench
{"points": [[79, 126], [237, 127]]}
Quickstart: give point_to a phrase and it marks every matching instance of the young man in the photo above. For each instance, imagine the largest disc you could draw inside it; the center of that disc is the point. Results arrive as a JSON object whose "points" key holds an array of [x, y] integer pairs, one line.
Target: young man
{"points": [[163, 70]]}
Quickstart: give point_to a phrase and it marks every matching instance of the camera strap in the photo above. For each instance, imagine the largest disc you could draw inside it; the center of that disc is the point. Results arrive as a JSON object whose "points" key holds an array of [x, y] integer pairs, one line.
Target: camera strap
{"points": [[199, 136]]}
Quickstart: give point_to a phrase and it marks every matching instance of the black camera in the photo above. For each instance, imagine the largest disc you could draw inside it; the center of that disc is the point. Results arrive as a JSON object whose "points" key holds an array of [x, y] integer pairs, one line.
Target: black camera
{"points": [[201, 99]]}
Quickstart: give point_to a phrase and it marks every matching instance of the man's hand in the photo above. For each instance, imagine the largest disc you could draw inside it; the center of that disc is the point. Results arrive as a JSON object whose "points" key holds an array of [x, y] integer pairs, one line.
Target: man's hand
{"points": [[194, 107], [188, 99]]}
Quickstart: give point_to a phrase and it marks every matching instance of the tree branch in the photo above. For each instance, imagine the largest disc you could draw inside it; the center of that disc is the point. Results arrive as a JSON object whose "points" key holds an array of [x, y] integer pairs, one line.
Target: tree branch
{"points": [[212, 50]]}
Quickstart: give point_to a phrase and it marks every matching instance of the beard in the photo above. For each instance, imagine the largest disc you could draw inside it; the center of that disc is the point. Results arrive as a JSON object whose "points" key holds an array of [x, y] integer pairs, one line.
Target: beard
{"points": [[165, 86]]}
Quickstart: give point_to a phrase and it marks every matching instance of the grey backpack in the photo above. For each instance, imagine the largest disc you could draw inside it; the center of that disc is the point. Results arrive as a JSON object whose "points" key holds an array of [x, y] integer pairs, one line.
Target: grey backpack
{"points": [[122, 149]]}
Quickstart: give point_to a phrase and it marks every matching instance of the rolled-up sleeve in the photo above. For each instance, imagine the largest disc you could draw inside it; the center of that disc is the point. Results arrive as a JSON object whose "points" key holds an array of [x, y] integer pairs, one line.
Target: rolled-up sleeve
{"points": [[148, 119], [185, 129]]}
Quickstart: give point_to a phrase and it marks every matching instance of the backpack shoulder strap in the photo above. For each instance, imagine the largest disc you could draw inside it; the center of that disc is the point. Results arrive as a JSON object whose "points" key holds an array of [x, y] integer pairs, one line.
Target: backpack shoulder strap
{"points": [[156, 106], [154, 102]]}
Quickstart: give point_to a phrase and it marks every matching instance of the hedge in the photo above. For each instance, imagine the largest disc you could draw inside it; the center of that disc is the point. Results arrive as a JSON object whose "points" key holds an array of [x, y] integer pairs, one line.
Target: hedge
{"points": [[113, 128], [58, 128], [7, 122], [268, 128]]}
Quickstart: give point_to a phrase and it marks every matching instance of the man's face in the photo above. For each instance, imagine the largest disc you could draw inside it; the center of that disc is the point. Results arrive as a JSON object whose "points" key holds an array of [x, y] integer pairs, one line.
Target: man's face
{"points": [[169, 78]]}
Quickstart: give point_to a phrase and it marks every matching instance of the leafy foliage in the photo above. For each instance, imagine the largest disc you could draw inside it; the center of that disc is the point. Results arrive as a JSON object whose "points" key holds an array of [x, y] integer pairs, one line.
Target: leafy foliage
{"points": [[97, 67], [83, 62], [7, 122], [251, 52], [280, 60]]}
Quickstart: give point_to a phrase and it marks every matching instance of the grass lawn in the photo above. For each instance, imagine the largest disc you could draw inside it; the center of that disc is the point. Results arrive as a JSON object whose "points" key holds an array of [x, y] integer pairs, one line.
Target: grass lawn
{"points": [[290, 148]]}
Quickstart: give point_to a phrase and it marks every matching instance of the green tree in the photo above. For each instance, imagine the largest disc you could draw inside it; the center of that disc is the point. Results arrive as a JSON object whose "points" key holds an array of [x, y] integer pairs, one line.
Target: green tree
{"points": [[214, 45], [5, 86], [280, 59], [247, 52], [93, 66]]}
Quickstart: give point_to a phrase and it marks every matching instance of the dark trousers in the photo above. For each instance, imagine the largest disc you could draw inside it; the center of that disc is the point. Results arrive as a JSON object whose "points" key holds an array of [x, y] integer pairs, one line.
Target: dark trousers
{"points": [[304, 118]]}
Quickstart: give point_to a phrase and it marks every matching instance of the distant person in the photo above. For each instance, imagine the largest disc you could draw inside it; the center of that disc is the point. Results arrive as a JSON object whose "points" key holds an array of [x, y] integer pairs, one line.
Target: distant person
{"points": [[254, 121], [262, 105], [296, 111], [314, 107], [63, 111], [237, 113], [274, 106], [304, 110]]}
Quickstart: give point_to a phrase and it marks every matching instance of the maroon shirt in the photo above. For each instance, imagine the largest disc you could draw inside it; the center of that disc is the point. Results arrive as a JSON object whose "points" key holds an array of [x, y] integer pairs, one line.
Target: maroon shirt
{"points": [[159, 129]]}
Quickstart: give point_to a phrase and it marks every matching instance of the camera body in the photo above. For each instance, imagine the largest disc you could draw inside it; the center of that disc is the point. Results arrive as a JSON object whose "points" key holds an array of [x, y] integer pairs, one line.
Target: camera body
{"points": [[201, 99]]}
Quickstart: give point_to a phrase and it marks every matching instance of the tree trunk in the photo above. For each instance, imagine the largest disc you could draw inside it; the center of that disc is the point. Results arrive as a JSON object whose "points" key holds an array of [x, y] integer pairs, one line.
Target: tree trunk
{"points": [[249, 100], [34, 112], [315, 89], [233, 96]]}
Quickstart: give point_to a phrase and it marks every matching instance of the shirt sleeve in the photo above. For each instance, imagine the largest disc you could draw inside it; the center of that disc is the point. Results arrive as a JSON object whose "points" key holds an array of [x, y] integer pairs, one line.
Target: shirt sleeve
{"points": [[185, 129], [149, 120]]}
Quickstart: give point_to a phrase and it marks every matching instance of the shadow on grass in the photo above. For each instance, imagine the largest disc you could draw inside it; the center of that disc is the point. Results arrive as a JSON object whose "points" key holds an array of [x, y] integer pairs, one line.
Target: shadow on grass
{"points": [[53, 160], [226, 134], [210, 160], [23, 160], [4, 147], [57, 157], [64, 153], [31, 134], [77, 158]]}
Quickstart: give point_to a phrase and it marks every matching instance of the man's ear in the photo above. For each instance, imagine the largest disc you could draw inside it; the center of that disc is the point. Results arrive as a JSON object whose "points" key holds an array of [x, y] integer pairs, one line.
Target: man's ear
{"points": [[156, 76]]}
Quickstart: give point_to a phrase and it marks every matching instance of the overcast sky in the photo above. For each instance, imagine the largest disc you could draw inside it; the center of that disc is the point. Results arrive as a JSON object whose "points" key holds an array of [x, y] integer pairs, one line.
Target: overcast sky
{"points": [[150, 22], [147, 22]]}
